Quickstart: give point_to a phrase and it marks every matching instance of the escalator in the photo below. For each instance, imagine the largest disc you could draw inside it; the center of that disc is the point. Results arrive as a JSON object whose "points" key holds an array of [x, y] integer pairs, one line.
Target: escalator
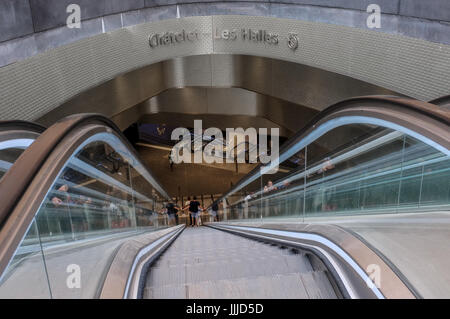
{"points": [[81, 170], [81, 214], [443, 101], [15, 137], [210, 264]]}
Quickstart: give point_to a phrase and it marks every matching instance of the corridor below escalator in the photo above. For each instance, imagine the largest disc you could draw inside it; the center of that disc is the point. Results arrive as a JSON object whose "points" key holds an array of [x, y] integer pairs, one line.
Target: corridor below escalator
{"points": [[207, 263]]}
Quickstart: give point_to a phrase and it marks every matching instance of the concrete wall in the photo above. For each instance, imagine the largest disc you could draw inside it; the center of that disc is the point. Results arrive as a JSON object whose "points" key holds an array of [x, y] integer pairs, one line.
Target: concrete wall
{"points": [[28, 27], [15, 19]]}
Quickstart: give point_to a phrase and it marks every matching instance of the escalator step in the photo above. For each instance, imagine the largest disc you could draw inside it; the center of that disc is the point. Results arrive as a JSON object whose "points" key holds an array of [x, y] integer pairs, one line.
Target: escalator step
{"points": [[208, 263], [290, 286], [228, 270]]}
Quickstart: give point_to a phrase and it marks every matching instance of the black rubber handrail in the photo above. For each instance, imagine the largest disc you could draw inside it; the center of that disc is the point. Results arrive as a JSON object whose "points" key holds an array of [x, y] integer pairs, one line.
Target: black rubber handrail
{"points": [[363, 106], [25, 184], [21, 126], [27, 166], [442, 101], [421, 108]]}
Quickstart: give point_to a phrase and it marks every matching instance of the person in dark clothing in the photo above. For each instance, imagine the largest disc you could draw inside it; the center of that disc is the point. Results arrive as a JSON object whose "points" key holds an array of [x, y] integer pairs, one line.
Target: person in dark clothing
{"points": [[194, 210], [172, 212], [215, 212]]}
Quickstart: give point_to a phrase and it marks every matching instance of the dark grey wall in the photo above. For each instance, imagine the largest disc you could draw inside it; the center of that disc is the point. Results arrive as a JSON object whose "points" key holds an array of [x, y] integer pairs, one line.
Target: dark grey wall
{"points": [[387, 6], [16, 18], [47, 14], [28, 27], [427, 9]]}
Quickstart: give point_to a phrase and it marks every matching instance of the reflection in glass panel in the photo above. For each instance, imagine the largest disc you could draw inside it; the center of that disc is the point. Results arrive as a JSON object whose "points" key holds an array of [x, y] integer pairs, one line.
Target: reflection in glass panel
{"points": [[25, 276], [10, 150], [352, 170], [102, 197], [99, 201]]}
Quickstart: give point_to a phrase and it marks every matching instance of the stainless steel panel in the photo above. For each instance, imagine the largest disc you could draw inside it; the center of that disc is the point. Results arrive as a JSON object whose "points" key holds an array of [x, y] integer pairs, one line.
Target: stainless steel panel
{"points": [[283, 92], [231, 101], [188, 71], [212, 120]]}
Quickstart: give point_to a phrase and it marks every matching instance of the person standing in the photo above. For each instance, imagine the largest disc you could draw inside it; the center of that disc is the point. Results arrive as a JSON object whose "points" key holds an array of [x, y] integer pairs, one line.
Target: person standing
{"points": [[215, 212], [172, 212], [194, 210], [185, 205], [171, 162]]}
